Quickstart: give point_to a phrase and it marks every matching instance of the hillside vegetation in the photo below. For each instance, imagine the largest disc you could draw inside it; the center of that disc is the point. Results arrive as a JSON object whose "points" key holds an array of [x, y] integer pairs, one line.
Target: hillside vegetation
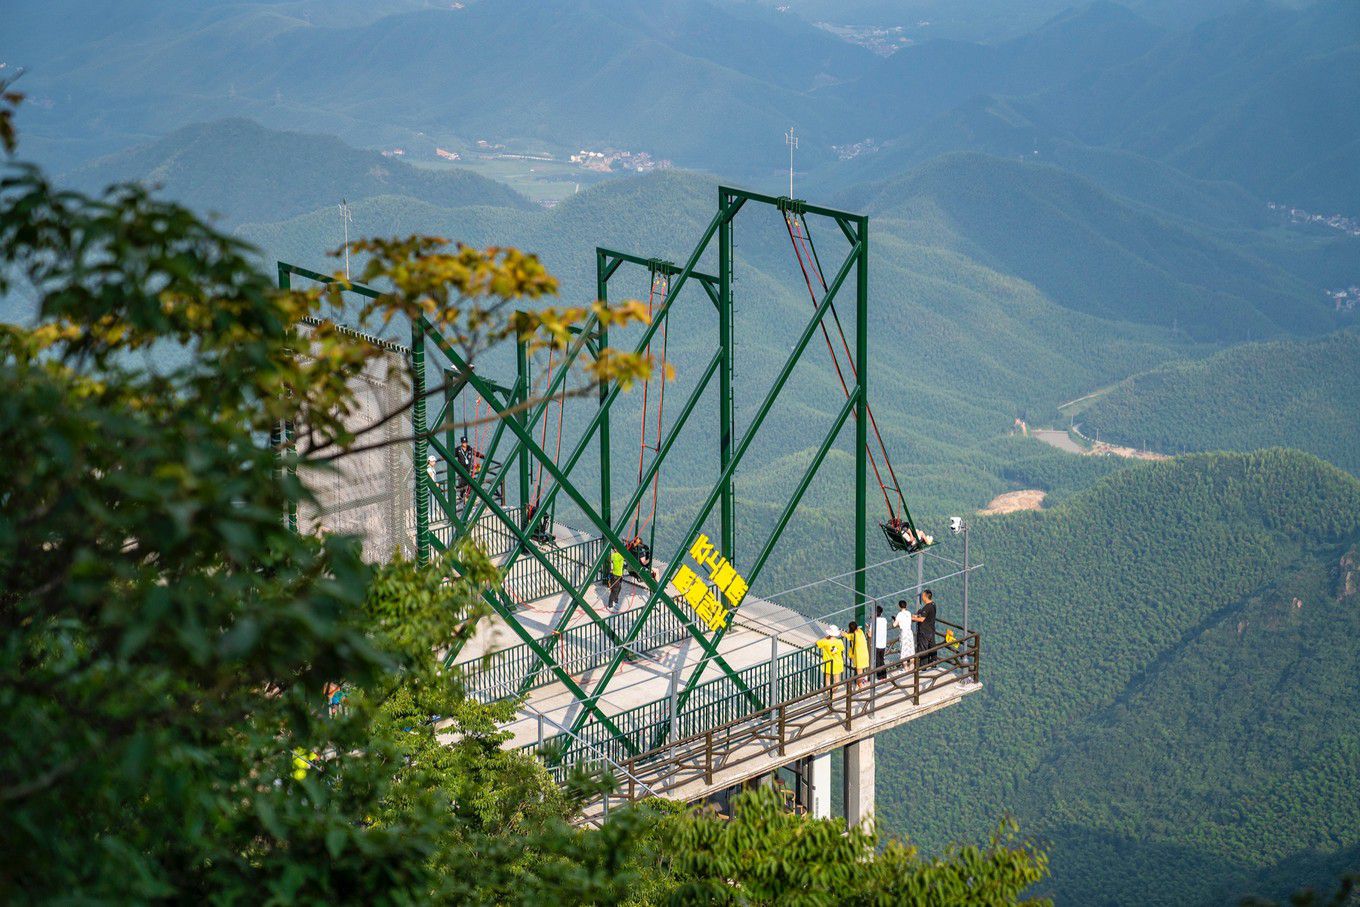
{"points": [[1299, 392], [1091, 251], [1173, 672], [237, 169]]}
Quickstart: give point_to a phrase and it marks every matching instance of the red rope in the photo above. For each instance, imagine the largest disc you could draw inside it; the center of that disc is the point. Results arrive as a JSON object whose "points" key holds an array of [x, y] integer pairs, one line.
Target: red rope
{"points": [[643, 447], [660, 409], [835, 359], [873, 421]]}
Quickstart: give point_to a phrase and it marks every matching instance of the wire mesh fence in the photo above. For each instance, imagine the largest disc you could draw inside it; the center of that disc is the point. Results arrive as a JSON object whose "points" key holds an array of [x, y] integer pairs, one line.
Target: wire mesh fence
{"points": [[370, 492]]}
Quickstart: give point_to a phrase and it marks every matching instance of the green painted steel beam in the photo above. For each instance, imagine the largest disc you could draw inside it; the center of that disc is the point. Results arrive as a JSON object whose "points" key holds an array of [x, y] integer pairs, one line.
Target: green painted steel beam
{"points": [[527, 543], [740, 452], [670, 269], [753, 573], [523, 381], [419, 432], [604, 269], [727, 527], [362, 290], [783, 202], [861, 417], [664, 448]]}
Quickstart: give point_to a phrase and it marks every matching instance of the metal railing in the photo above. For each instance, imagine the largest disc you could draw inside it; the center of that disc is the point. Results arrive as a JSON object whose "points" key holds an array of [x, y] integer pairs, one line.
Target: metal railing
{"points": [[490, 534], [529, 580], [717, 724], [499, 674]]}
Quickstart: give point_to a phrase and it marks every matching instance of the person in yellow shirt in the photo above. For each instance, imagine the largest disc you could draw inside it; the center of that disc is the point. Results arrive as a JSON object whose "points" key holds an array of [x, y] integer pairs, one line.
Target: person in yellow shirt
{"points": [[833, 656], [857, 652]]}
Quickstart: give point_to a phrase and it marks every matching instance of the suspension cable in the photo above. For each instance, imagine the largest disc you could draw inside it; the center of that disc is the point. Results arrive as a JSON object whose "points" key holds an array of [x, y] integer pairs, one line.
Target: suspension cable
{"points": [[835, 359], [662, 281], [873, 421]]}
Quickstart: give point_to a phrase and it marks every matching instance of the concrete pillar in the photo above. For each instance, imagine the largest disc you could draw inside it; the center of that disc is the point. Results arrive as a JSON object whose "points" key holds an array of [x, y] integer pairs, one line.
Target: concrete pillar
{"points": [[859, 782], [821, 786]]}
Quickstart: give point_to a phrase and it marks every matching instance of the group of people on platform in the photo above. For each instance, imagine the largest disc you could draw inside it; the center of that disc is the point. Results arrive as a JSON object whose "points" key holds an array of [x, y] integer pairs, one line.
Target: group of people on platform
{"points": [[850, 651]]}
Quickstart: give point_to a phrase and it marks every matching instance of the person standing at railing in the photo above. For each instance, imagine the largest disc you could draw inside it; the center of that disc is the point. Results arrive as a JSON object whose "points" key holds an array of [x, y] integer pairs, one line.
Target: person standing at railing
{"points": [[615, 578], [880, 641], [832, 648], [925, 629], [905, 622], [857, 649]]}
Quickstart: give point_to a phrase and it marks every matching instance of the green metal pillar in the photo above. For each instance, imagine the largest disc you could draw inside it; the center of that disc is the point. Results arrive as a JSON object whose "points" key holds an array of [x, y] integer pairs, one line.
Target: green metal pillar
{"points": [[523, 383], [861, 414], [727, 524], [421, 446], [602, 272]]}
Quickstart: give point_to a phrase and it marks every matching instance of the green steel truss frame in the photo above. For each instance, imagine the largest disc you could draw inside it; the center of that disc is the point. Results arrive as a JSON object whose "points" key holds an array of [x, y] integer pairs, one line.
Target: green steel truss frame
{"points": [[519, 420]]}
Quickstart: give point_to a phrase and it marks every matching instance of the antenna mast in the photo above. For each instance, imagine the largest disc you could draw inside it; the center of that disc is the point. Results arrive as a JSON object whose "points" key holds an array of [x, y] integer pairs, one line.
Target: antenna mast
{"points": [[792, 142], [346, 217]]}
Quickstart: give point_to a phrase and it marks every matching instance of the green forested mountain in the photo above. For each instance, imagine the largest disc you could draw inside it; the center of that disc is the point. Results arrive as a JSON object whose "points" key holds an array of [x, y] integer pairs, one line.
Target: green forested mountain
{"points": [[1301, 392], [237, 169], [1093, 252], [1172, 664]]}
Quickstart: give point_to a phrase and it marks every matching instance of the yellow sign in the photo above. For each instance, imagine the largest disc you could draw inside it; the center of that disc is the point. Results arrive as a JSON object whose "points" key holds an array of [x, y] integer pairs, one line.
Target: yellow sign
{"points": [[721, 573]]}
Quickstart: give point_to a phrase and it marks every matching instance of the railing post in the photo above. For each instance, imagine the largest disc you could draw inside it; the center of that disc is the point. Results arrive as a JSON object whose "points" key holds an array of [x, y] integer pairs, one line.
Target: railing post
{"points": [[783, 724], [772, 696], [849, 699], [916, 680], [674, 709], [708, 758]]}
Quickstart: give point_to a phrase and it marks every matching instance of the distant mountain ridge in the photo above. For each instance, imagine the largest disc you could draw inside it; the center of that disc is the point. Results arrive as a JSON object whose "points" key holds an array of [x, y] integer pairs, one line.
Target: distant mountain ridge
{"points": [[1261, 95], [1091, 251], [237, 168], [1303, 392]]}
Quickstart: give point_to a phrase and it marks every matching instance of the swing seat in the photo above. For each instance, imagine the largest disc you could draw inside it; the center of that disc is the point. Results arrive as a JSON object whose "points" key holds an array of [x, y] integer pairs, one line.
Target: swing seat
{"points": [[897, 541]]}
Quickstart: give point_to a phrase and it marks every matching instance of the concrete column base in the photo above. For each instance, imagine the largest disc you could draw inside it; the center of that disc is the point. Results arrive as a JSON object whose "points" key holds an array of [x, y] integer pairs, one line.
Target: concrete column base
{"points": [[821, 786], [859, 783]]}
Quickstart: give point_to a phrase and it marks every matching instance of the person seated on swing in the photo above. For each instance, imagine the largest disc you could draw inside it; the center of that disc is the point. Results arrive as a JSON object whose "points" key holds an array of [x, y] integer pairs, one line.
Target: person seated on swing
{"points": [[643, 552], [543, 531], [912, 540]]}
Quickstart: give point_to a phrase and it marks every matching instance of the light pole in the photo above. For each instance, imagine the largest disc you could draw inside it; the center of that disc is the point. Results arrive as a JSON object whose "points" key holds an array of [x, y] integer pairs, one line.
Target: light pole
{"points": [[959, 526]]}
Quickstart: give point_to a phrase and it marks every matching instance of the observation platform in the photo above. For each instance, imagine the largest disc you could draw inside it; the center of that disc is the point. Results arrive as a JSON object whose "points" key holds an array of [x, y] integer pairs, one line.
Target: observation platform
{"points": [[722, 735]]}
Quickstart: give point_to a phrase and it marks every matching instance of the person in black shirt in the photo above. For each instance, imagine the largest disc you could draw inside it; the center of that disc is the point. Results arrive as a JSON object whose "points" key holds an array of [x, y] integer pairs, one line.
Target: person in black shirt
{"points": [[467, 458], [925, 627]]}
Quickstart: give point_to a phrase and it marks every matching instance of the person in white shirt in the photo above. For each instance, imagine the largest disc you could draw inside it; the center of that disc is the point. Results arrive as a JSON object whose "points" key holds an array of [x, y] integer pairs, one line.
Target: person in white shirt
{"points": [[907, 628], [880, 641]]}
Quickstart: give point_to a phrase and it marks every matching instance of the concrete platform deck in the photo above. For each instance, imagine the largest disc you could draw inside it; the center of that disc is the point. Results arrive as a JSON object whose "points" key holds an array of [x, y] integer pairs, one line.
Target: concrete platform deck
{"points": [[761, 629]]}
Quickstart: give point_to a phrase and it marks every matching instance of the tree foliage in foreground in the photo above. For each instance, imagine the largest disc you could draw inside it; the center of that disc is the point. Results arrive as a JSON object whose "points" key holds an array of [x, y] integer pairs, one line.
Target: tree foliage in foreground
{"points": [[166, 639]]}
